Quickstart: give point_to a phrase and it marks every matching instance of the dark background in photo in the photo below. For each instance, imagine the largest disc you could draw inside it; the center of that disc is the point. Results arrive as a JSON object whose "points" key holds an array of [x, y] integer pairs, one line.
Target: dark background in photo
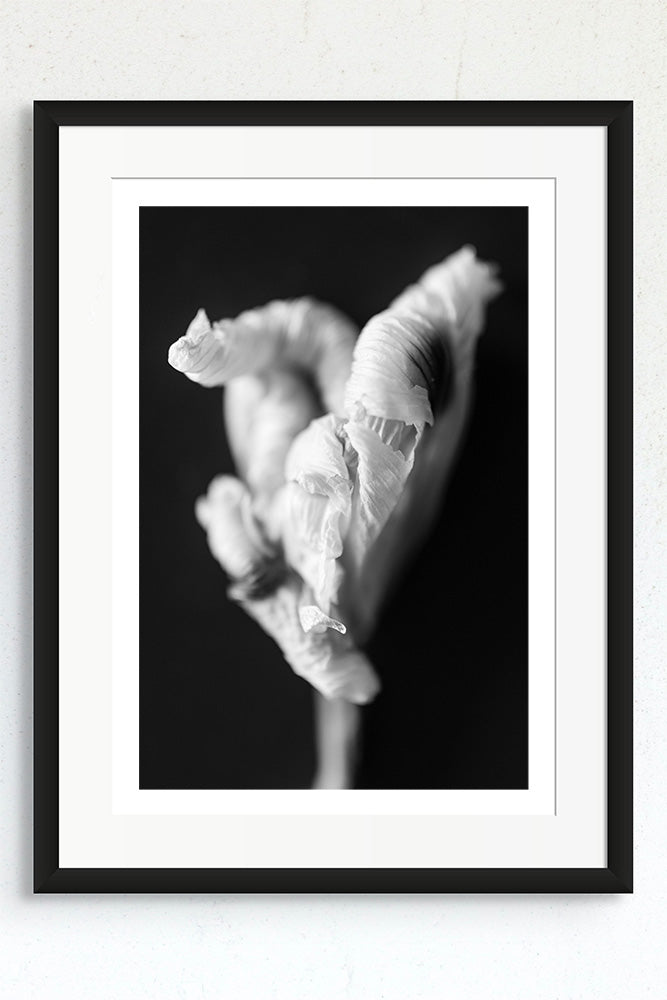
{"points": [[219, 707]]}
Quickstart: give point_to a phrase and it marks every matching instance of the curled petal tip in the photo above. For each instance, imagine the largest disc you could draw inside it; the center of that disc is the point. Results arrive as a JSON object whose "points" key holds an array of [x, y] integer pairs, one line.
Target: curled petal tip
{"points": [[185, 349], [178, 354], [202, 353], [314, 620], [199, 327]]}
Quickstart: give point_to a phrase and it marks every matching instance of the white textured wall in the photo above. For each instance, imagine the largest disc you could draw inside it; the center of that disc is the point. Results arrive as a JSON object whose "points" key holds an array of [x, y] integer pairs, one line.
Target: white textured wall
{"points": [[385, 947]]}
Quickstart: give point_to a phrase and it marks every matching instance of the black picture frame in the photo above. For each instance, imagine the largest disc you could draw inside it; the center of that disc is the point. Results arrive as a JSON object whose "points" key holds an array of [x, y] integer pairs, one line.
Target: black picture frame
{"points": [[616, 118]]}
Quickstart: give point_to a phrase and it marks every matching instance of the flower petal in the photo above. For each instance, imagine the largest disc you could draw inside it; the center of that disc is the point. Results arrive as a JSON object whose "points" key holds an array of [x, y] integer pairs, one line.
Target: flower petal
{"points": [[236, 539], [329, 661], [381, 476], [263, 415], [317, 507], [398, 358], [300, 334], [314, 620], [453, 295]]}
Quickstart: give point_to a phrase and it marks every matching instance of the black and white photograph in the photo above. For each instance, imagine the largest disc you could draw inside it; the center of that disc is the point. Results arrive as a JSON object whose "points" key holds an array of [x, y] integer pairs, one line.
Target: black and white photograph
{"points": [[346, 607], [333, 497]]}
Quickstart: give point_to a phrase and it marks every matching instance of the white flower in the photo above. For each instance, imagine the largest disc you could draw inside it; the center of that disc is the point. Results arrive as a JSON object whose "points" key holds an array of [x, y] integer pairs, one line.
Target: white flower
{"points": [[344, 449]]}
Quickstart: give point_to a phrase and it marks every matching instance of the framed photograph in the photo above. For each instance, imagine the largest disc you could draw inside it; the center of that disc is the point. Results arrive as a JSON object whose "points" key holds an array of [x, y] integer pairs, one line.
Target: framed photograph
{"points": [[333, 497]]}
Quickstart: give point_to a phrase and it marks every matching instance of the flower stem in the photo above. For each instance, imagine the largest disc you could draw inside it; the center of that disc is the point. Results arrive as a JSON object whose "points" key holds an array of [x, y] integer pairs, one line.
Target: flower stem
{"points": [[337, 738]]}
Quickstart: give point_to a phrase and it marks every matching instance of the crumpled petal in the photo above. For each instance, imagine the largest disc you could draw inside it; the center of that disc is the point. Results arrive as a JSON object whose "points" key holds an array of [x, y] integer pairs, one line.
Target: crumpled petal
{"points": [[453, 295], [317, 507], [328, 660], [312, 619], [400, 372], [300, 334], [398, 362], [381, 476], [449, 301], [236, 540], [200, 353]]}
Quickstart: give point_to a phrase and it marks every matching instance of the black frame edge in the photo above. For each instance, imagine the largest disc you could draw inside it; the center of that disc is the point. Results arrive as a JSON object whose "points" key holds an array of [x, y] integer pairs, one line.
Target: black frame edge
{"points": [[619, 496], [378, 113], [333, 880], [45, 472], [616, 116]]}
